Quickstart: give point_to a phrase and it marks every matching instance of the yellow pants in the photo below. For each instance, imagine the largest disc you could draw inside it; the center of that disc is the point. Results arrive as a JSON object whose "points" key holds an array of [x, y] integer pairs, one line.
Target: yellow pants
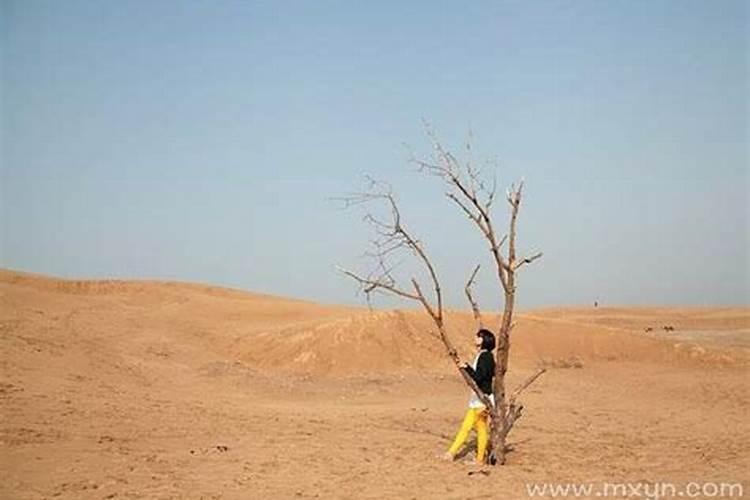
{"points": [[475, 418]]}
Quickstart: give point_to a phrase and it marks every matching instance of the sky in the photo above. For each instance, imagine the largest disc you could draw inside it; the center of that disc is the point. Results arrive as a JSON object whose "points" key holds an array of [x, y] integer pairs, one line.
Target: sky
{"points": [[207, 142]]}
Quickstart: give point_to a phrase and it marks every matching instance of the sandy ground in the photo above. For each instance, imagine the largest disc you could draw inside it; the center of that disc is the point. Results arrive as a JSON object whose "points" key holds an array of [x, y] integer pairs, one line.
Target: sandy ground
{"points": [[117, 390]]}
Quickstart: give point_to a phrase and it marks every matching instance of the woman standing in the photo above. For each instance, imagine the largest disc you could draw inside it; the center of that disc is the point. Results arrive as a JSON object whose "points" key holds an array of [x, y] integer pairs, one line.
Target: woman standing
{"points": [[482, 371]]}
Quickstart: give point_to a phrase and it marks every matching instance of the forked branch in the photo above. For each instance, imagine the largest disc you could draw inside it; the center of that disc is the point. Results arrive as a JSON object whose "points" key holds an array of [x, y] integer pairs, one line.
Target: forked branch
{"points": [[392, 236], [471, 195]]}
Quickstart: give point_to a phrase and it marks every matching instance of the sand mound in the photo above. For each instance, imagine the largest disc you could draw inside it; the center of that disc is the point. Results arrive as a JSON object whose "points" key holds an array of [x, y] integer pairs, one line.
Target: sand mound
{"points": [[137, 319]]}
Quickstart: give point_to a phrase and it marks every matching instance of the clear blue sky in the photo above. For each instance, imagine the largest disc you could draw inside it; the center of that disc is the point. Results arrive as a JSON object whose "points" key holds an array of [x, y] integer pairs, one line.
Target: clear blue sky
{"points": [[201, 141]]}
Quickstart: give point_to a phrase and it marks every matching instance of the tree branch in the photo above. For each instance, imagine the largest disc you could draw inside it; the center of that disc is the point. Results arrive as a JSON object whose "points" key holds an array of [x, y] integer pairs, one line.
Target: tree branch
{"points": [[370, 285], [472, 301], [527, 260], [447, 167], [393, 236], [518, 390]]}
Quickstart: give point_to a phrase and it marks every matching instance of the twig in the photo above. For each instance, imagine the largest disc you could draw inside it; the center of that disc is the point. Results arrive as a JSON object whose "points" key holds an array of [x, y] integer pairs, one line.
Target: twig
{"points": [[525, 384], [472, 301]]}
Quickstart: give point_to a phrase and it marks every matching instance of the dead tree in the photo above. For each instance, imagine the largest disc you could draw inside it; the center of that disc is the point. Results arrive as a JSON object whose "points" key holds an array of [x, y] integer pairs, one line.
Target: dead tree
{"points": [[475, 199]]}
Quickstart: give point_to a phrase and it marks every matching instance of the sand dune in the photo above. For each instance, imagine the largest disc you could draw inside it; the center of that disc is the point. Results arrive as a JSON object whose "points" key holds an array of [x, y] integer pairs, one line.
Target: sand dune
{"points": [[145, 389]]}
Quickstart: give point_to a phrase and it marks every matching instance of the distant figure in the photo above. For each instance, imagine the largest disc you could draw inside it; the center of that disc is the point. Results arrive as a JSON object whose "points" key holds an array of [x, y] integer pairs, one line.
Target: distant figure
{"points": [[482, 371], [596, 303]]}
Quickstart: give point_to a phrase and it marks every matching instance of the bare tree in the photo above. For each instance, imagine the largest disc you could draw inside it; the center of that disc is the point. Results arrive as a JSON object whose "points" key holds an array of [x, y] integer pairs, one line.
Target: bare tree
{"points": [[475, 198]]}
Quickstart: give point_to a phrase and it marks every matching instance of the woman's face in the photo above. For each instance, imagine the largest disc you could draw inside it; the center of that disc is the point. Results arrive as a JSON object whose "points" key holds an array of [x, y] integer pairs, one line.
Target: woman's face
{"points": [[478, 341]]}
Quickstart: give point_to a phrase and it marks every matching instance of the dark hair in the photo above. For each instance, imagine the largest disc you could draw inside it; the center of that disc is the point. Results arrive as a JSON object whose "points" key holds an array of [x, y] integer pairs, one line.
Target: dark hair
{"points": [[488, 339]]}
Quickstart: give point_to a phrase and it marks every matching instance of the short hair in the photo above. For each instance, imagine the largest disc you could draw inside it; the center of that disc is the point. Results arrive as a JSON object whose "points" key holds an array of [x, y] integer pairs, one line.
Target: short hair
{"points": [[488, 339]]}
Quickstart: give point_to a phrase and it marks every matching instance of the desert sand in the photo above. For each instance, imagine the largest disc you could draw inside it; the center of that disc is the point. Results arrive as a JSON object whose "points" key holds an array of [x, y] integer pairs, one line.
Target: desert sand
{"points": [[143, 389]]}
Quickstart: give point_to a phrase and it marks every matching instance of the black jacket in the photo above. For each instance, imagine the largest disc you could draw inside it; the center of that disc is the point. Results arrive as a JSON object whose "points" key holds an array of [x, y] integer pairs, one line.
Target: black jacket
{"points": [[485, 371]]}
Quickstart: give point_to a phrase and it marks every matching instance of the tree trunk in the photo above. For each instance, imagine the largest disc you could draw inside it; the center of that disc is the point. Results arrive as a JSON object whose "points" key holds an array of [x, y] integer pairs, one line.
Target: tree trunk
{"points": [[499, 425]]}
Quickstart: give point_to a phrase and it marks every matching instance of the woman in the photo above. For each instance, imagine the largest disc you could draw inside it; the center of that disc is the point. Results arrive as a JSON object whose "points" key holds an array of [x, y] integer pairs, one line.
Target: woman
{"points": [[482, 371]]}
